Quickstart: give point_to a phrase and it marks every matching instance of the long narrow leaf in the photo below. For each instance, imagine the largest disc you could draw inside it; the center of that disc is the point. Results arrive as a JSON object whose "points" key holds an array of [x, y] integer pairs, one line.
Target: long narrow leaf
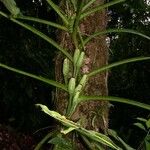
{"points": [[88, 5], [74, 4], [115, 135], [117, 64], [58, 11], [40, 34], [98, 137], [53, 24], [40, 144], [100, 7], [115, 31], [45, 80], [114, 99]]}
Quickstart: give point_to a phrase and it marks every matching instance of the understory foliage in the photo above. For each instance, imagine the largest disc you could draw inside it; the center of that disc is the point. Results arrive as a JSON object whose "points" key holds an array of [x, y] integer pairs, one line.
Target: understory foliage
{"points": [[132, 80], [74, 80]]}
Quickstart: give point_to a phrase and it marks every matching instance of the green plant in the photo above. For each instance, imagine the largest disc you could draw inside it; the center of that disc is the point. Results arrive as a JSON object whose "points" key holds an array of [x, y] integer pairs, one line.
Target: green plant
{"points": [[74, 85], [144, 124]]}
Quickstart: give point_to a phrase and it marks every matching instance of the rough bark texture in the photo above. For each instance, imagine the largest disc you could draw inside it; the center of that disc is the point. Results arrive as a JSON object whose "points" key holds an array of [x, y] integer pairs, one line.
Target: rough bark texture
{"points": [[96, 56]]}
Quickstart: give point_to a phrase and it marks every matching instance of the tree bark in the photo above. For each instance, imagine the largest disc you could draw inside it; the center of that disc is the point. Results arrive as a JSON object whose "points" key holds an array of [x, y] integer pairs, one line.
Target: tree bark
{"points": [[95, 113]]}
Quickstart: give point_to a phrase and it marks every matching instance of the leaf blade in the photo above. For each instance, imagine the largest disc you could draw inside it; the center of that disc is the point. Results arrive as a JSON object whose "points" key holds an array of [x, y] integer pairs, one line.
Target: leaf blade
{"points": [[125, 61], [100, 7], [40, 34], [46, 22], [98, 137], [115, 99], [130, 31], [45, 80]]}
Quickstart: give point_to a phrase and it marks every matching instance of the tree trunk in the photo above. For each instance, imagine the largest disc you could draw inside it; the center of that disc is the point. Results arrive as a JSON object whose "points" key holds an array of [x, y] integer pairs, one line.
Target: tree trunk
{"points": [[95, 113]]}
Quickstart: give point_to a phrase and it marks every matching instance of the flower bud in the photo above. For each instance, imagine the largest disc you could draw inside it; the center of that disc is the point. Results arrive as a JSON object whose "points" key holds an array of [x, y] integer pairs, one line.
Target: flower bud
{"points": [[78, 88], [80, 60], [75, 98], [66, 67], [76, 56], [71, 86], [83, 80]]}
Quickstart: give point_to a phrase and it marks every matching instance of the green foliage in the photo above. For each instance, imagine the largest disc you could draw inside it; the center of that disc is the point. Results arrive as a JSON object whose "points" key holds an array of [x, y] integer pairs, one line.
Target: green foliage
{"points": [[129, 81], [98, 137], [58, 11], [61, 143], [116, 137], [76, 83], [21, 49], [50, 82], [115, 99], [99, 8], [11, 6], [147, 142], [144, 125], [46, 139], [42, 21]]}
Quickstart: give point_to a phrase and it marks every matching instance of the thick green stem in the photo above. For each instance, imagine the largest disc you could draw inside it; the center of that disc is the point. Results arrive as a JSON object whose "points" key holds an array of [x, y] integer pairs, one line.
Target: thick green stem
{"points": [[69, 105], [76, 25]]}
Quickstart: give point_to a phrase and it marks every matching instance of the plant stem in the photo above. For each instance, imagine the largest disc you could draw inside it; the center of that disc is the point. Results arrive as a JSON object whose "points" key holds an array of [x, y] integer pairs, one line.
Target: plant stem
{"points": [[76, 24], [81, 39], [69, 105]]}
